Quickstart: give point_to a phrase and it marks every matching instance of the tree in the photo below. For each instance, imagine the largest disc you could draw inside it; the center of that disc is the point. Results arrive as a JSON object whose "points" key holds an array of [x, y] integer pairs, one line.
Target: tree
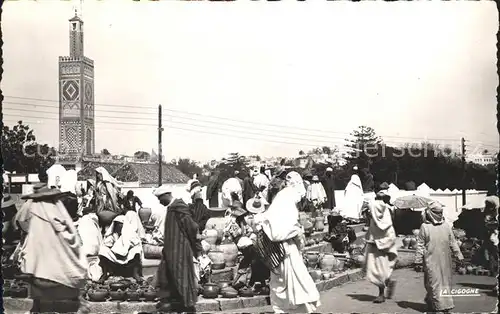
{"points": [[105, 152], [188, 167], [21, 153], [142, 155], [363, 144]]}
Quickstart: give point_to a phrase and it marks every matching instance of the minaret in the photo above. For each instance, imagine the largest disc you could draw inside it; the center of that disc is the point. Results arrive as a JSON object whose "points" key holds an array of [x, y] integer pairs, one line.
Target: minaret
{"points": [[76, 37], [76, 97]]}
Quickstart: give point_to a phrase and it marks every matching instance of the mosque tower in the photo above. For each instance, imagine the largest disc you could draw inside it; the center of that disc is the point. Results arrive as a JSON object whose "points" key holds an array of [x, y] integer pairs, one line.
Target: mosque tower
{"points": [[76, 97]]}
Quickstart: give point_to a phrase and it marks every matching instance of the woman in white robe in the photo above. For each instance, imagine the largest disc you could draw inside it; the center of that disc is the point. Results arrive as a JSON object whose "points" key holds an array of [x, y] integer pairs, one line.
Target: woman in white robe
{"points": [[353, 199], [292, 288]]}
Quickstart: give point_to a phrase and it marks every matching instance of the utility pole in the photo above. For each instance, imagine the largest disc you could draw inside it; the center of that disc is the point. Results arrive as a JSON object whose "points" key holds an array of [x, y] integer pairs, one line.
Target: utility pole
{"points": [[160, 155], [463, 172]]}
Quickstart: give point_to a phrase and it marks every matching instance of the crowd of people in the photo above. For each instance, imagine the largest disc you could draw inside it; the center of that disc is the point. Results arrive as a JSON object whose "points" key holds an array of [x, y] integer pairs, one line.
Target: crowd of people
{"points": [[68, 233]]}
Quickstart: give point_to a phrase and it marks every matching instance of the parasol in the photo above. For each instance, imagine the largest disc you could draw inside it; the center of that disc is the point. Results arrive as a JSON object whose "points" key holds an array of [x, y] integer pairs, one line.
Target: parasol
{"points": [[412, 202]]}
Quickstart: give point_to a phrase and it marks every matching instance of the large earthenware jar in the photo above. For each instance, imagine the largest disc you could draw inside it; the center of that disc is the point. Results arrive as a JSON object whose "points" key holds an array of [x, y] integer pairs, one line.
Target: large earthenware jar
{"points": [[230, 252], [327, 262], [210, 234], [303, 218], [312, 259], [319, 223], [219, 223], [144, 214], [217, 257]]}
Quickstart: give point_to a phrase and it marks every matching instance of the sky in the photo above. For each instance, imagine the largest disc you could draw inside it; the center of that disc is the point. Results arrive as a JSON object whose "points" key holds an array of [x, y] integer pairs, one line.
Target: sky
{"points": [[410, 70]]}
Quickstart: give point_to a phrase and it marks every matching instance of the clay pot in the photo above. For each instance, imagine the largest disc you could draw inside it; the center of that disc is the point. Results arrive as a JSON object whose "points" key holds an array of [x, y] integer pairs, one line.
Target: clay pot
{"points": [[246, 293], [205, 246], [413, 243], [210, 291], [98, 295], [210, 235], [326, 276], [217, 223], [149, 295], [115, 286], [406, 242], [469, 269], [216, 256], [144, 214], [218, 266], [303, 218], [118, 295], [224, 284], [134, 295], [360, 259], [415, 232], [312, 259], [230, 252], [319, 224], [229, 292], [327, 262]]}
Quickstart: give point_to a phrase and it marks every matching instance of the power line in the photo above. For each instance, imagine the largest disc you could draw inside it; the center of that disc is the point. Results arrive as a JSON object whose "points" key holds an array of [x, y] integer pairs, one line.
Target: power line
{"points": [[233, 125], [223, 118], [245, 132], [213, 133]]}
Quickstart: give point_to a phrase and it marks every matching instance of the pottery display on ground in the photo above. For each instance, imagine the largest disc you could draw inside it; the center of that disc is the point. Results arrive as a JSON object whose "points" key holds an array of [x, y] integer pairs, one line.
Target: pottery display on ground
{"points": [[118, 295], [149, 295], [319, 224], [211, 291], [98, 295], [229, 292], [312, 259], [406, 242], [413, 243], [230, 250], [327, 262], [246, 293], [134, 295]]}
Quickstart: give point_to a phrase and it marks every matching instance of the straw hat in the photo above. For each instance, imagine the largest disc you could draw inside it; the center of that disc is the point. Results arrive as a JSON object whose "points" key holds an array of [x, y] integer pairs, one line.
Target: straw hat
{"points": [[40, 192], [9, 200], [255, 206]]}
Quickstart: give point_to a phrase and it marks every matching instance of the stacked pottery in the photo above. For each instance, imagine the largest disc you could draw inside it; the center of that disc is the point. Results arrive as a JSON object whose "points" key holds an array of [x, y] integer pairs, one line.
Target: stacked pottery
{"points": [[312, 259], [210, 234], [327, 262], [217, 258], [319, 223], [230, 251]]}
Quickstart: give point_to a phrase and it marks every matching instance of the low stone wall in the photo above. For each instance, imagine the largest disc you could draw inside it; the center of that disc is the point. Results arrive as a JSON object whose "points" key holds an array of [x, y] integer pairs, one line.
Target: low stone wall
{"points": [[12, 305]]}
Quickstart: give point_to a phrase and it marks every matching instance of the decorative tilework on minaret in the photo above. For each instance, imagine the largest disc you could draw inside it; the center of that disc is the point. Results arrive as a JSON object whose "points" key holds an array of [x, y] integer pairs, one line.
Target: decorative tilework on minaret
{"points": [[76, 97]]}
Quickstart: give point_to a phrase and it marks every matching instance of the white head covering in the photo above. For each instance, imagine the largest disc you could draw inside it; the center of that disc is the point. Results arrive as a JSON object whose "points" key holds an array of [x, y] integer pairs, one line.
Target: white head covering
{"points": [[69, 181], [280, 221], [55, 175], [329, 169], [107, 177], [294, 180], [164, 189]]}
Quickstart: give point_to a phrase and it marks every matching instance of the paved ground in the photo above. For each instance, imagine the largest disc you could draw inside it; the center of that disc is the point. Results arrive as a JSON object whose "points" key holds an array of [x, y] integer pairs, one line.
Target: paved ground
{"points": [[357, 297]]}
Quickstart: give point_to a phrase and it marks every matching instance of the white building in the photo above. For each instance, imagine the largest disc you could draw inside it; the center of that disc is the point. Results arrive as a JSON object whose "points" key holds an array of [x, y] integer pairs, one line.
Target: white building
{"points": [[482, 159]]}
